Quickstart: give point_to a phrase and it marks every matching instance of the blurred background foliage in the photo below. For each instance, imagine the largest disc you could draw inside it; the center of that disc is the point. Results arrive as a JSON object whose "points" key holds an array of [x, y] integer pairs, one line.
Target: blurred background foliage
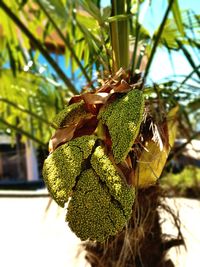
{"points": [[51, 50], [186, 183]]}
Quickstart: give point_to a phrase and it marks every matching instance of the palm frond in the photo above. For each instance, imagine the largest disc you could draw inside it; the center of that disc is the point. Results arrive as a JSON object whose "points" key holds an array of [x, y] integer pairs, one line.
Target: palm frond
{"points": [[29, 98]]}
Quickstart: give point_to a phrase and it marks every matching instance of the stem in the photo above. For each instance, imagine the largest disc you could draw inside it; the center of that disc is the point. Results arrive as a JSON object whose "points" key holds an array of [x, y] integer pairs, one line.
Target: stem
{"points": [[188, 77], [114, 41], [137, 33], [67, 43], [37, 44], [188, 56], [106, 49], [157, 39], [119, 36], [123, 31]]}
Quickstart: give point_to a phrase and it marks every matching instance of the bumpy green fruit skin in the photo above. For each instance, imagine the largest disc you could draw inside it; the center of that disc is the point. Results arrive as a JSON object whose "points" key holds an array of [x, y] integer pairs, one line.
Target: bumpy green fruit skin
{"points": [[101, 203], [101, 200], [64, 165], [123, 118], [92, 212], [108, 174], [69, 114]]}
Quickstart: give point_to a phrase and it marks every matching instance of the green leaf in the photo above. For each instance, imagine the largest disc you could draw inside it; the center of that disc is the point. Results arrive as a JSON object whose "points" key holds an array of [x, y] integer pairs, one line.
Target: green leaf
{"points": [[177, 16], [158, 36], [121, 17], [29, 98], [93, 10]]}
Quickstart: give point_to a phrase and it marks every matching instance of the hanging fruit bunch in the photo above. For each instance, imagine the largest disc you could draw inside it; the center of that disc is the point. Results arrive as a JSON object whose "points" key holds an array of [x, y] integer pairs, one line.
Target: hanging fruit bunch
{"points": [[106, 145]]}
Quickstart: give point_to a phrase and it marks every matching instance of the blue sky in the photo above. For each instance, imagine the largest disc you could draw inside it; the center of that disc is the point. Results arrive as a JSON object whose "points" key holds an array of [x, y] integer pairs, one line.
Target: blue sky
{"points": [[161, 66], [193, 4]]}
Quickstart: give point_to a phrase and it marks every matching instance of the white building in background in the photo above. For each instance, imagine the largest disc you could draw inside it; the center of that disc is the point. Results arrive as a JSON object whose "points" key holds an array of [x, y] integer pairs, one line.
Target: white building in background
{"points": [[193, 149], [17, 163], [31, 162]]}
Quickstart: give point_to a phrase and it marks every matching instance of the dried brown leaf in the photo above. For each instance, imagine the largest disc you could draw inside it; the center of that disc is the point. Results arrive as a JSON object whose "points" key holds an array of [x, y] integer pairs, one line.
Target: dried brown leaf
{"points": [[65, 134], [61, 136]]}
